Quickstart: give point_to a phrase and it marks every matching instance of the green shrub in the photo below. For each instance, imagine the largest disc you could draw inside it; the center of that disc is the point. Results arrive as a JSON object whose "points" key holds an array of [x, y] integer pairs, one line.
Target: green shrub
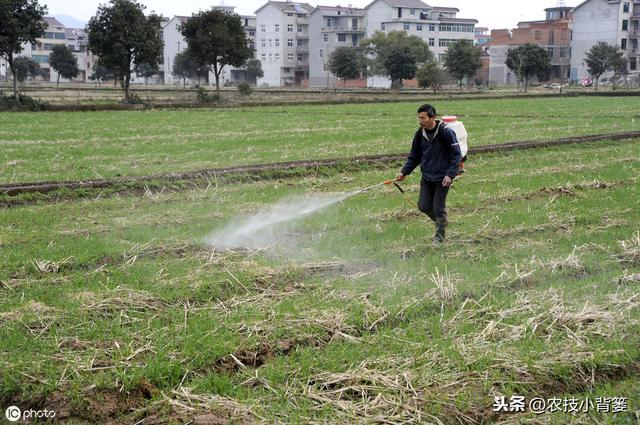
{"points": [[133, 99], [24, 103], [245, 88], [205, 98]]}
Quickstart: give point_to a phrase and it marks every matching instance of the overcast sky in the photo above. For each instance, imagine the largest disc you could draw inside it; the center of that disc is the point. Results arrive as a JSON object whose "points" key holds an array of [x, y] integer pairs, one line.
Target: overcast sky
{"points": [[491, 13]]}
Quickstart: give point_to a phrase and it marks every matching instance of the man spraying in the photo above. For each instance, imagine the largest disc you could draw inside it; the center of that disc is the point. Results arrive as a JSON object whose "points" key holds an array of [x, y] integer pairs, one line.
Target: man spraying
{"points": [[436, 149]]}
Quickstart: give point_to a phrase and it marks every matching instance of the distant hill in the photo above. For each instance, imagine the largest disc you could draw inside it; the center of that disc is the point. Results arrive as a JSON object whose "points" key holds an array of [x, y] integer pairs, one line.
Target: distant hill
{"points": [[70, 21]]}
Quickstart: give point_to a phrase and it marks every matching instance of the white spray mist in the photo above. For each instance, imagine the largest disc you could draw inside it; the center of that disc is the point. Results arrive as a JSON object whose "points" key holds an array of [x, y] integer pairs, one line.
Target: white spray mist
{"points": [[267, 227]]}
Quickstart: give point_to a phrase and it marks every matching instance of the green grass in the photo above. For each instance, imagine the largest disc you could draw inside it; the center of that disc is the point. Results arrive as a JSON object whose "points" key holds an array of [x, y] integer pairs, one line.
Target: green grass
{"points": [[120, 293], [73, 146]]}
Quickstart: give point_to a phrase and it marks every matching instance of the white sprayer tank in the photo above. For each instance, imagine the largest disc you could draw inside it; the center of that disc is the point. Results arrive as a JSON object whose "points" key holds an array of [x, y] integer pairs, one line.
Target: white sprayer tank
{"points": [[461, 134]]}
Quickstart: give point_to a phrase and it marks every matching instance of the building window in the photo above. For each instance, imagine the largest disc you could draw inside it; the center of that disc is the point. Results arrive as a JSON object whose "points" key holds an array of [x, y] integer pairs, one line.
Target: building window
{"points": [[418, 27], [446, 42], [264, 43], [252, 33], [550, 51], [289, 14], [407, 27], [290, 42], [623, 44], [329, 22], [320, 52], [277, 57], [299, 28], [290, 57], [412, 11], [290, 28], [263, 28], [41, 58], [299, 58], [342, 38], [299, 44], [441, 57], [564, 52], [432, 42], [354, 39], [277, 28], [457, 28], [264, 57], [625, 25], [632, 64], [382, 26], [252, 45], [48, 46], [269, 42], [325, 38], [277, 42], [354, 24], [625, 7], [432, 27]]}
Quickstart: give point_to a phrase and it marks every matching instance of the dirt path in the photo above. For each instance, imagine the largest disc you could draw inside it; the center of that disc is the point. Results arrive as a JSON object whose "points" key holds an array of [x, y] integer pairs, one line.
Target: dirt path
{"points": [[266, 171]]}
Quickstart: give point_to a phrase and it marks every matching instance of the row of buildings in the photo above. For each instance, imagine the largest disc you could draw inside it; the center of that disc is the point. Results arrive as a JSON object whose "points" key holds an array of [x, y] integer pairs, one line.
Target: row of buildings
{"points": [[294, 41], [568, 33]]}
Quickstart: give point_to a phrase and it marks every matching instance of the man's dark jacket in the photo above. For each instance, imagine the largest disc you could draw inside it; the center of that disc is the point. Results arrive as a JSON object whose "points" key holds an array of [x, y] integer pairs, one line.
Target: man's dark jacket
{"points": [[437, 159]]}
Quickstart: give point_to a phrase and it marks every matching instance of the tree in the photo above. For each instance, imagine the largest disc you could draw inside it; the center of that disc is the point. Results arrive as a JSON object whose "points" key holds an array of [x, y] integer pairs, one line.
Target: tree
{"points": [[431, 75], [527, 61], [64, 63], [603, 57], [101, 73], [216, 39], [385, 50], [400, 66], [254, 70], [21, 21], [124, 39], [344, 63], [25, 67], [184, 66], [147, 71], [462, 59]]}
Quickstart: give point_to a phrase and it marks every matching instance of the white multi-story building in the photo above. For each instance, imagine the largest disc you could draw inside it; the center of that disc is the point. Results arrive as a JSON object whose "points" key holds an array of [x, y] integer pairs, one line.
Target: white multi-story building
{"points": [[174, 43], [282, 43], [77, 40], [331, 27], [612, 21], [56, 33], [437, 26]]}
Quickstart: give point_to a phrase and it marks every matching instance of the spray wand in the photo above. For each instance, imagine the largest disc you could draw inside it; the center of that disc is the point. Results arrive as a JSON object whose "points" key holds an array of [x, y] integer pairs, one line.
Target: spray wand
{"points": [[387, 183]]}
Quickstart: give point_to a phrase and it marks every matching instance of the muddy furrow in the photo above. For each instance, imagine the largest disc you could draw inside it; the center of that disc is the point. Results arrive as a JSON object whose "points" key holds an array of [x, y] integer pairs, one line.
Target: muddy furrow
{"points": [[266, 171]]}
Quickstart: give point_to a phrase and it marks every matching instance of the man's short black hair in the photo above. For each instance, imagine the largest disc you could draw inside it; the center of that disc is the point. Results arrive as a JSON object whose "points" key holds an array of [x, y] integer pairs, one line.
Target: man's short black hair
{"points": [[430, 110]]}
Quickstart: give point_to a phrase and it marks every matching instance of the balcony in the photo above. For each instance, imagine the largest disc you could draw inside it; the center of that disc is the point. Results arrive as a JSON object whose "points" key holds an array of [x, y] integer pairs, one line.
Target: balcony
{"points": [[634, 32], [359, 30], [633, 52]]}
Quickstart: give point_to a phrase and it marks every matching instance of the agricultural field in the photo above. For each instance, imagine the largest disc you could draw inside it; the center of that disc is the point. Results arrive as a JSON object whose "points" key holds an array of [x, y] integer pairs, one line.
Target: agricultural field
{"points": [[93, 145], [151, 307]]}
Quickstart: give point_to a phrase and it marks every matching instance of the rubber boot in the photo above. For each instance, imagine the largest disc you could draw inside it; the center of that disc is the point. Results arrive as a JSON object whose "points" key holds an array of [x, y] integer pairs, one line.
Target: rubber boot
{"points": [[438, 238]]}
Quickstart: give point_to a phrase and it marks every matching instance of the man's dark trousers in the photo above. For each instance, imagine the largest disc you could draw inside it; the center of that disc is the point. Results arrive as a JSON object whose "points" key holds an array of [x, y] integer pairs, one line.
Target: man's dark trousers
{"points": [[432, 201]]}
